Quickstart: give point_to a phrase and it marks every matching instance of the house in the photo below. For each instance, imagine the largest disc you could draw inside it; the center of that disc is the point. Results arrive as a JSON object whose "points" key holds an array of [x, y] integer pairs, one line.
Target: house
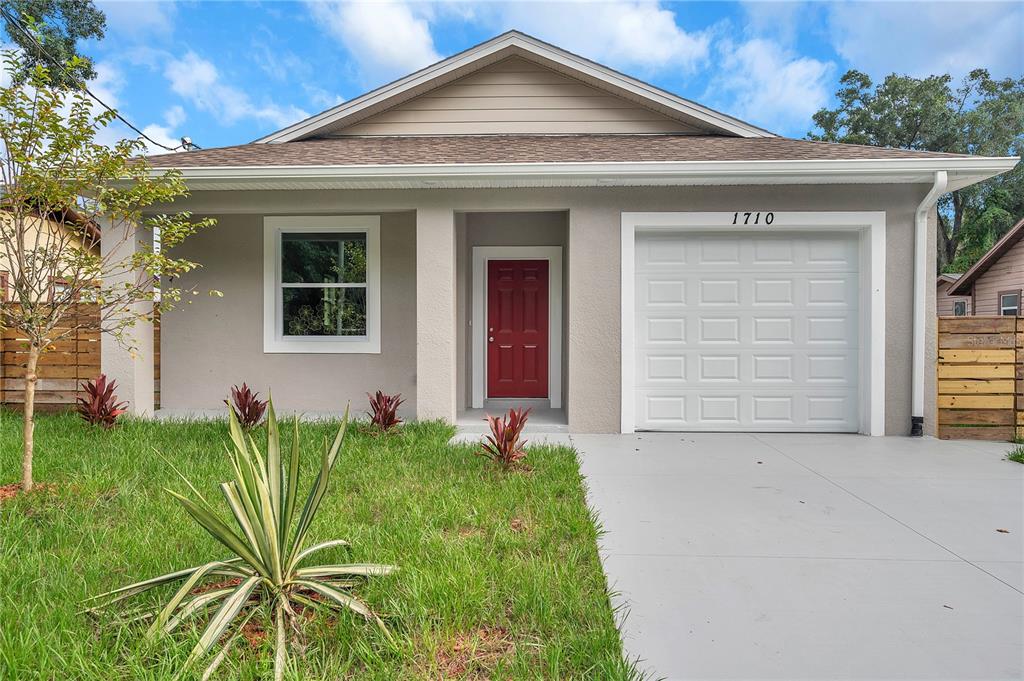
{"points": [[519, 225], [947, 305], [994, 285], [64, 230]]}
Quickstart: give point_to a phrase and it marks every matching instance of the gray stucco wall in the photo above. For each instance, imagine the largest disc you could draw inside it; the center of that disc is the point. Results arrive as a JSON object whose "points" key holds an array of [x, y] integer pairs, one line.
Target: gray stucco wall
{"points": [[219, 340], [213, 343]]}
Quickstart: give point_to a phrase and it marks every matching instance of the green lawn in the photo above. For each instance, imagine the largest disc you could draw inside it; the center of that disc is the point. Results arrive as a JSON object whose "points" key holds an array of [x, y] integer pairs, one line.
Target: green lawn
{"points": [[499, 578]]}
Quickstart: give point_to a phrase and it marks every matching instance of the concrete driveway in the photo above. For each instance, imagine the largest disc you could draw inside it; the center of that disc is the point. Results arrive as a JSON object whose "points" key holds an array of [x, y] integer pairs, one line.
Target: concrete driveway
{"points": [[812, 556]]}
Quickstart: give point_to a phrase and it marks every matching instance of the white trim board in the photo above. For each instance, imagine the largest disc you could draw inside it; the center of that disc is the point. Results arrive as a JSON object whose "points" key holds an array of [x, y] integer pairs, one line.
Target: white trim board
{"points": [[870, 224], [273, 340], [481, 256]]}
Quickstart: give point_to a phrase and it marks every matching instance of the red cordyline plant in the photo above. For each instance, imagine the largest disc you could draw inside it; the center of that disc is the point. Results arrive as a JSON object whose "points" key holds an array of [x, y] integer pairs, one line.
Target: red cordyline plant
{"points": [[503, 445], [384, 410], [100, 406], [247, 405]]}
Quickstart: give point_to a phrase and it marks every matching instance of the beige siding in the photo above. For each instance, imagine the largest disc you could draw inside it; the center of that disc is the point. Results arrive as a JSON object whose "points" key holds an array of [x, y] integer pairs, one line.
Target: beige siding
{"points": [[515, 96], [944, 301], [1007, 274]]}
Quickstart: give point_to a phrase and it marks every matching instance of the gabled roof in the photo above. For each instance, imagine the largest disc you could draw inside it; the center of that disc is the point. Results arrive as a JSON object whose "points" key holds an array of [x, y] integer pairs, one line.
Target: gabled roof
{"points": [[514, 43], [948, 277], [964, 283]]}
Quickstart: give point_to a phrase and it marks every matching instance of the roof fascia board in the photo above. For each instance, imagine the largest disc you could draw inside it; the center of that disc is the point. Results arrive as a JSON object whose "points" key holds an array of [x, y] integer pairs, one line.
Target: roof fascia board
{"points": [[509, 44]]}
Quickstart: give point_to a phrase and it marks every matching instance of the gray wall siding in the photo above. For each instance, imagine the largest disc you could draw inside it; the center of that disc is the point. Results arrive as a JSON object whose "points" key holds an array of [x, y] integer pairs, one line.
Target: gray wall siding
{"points": [[212, 343], [515, 96], [944, 301], [593, 300], [1007, 274]]}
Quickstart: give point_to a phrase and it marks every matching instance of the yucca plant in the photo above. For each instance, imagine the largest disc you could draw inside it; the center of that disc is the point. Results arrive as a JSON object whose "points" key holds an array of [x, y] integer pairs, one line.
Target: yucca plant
{"points": [[266, 572], [503, 445], [100, 406], [247, 406], [384, 410]]}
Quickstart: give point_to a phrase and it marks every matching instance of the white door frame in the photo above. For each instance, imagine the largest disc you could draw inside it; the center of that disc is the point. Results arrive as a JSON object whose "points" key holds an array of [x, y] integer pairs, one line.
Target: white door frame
{"points": [[481, 256], [870, 225]]}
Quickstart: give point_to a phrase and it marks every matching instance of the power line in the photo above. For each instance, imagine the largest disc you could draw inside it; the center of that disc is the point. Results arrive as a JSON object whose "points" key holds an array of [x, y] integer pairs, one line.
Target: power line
{"points": [[185, 142]]}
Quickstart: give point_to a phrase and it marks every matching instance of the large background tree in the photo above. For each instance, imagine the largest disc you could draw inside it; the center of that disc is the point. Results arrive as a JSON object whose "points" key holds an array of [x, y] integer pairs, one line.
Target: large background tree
{"points": [[50, 161], [59, 25], [983, 116]]}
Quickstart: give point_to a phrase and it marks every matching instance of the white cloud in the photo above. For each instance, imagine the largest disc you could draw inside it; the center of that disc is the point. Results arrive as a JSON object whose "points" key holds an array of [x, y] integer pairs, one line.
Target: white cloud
{"points": [[198, 80], [138, 19], [321, 97], [175, 116], [766, 84], [926, 38], [639, 35], [386, 39]]}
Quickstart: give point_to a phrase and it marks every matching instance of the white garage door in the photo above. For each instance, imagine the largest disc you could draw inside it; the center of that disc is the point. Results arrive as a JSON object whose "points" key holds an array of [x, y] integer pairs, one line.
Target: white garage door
{"points": [[747, 331]]}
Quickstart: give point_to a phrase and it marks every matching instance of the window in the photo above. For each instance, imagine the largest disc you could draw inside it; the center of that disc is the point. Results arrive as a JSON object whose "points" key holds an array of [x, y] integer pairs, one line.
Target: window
{"points": [[960, 308], [58, 289], [322, 284], [1009, 302]]}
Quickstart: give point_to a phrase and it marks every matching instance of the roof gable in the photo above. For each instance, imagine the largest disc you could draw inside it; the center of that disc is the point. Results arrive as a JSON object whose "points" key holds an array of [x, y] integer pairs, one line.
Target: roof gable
{"points": [[515, 96], [998, 250], [688, 116]]}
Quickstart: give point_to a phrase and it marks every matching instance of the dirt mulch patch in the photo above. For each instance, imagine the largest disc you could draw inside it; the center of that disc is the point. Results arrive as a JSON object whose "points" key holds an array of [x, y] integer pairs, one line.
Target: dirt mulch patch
{"points": [[474, 655], [8, 492]]}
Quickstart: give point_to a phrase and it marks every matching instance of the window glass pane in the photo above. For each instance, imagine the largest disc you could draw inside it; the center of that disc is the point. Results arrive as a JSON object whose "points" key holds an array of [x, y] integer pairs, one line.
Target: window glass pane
{"points": [[960, 308], [324, 311], [1008, 304], [321, 258]]}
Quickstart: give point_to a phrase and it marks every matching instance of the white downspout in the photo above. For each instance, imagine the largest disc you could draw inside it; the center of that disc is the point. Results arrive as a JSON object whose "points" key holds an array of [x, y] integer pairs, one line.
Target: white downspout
{"points": [[921, 279]]}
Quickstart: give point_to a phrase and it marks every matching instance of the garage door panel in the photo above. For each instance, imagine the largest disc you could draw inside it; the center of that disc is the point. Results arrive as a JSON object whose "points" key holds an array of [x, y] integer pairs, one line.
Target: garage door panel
{"points": [[736, 332]]}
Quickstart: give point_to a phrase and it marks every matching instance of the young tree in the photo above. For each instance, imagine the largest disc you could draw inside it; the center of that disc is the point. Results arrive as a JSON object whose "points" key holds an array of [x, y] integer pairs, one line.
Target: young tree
{"points": [[57, 182], [983, 116], [58, 26]]}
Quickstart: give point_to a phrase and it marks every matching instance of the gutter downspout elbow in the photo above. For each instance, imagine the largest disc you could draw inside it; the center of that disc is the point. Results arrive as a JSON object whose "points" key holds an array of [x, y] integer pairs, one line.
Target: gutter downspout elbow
{"points": [[921, 279]]}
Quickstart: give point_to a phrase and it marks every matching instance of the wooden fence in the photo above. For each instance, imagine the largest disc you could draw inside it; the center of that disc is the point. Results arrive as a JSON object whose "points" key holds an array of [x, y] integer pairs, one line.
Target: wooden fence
{"points": [[61, 370], [980, 378]]}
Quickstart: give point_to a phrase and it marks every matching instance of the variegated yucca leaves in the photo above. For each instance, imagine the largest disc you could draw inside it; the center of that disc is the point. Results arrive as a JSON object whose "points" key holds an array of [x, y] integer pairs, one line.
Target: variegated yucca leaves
{"points": [[266, 570]]}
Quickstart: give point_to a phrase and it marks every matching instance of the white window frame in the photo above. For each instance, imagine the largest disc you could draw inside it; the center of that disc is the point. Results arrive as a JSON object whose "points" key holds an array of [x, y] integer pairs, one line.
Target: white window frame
{"points": [[960, 302], [274, 341], [870, 225], [1003, 307]]}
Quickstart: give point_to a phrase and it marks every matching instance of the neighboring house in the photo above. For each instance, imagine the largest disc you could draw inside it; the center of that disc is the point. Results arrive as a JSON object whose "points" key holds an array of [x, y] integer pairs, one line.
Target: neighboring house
{"points": [[995, 284], [947, 305], [519, 225], [67, 229]]}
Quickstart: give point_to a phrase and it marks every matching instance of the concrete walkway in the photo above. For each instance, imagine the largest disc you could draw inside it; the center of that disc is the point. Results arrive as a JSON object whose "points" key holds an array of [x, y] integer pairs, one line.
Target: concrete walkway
{"points": [[812, 556]]}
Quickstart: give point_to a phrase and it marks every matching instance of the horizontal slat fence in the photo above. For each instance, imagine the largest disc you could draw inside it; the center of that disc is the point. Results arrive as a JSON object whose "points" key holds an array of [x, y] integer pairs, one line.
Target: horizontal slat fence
{"points": [[979, 378], [61, 369]]}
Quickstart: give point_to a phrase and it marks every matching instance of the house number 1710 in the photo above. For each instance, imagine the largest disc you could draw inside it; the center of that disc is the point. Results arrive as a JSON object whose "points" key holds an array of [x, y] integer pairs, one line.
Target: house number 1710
{"points": [[769, 218]]}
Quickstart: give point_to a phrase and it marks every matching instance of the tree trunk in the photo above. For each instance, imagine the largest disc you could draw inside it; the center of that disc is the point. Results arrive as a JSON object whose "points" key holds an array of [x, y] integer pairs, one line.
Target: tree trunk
{"points": [[29, 417]]}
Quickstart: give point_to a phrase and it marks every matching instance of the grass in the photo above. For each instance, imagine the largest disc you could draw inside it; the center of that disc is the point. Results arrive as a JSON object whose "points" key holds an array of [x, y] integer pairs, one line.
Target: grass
{"points": [[499, 579], [1016, 454]]}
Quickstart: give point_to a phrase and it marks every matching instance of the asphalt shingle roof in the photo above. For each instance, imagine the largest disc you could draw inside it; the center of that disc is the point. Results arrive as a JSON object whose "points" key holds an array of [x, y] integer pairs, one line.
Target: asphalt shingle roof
{"points": [[467, 149]]}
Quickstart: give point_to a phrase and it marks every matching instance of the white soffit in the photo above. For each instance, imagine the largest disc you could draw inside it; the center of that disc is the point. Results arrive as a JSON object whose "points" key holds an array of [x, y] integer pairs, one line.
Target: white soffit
{"points": [[501, 47]]}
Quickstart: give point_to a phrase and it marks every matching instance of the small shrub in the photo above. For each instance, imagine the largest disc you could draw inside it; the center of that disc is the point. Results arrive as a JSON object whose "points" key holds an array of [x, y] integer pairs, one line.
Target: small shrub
{"points": [[384, 410], [266, 575], [100, 406], [503, 445], [247, 406], [1016, 454]]}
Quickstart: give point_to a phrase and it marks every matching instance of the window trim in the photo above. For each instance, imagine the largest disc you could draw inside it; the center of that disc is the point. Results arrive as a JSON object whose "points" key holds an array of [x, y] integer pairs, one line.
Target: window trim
{"points": [[960, 301], [273, 340], [1008, 292]]}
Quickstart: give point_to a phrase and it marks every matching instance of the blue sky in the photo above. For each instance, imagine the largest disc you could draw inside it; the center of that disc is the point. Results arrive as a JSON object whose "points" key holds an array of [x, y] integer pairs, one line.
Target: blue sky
{"points": [[229, 72]]}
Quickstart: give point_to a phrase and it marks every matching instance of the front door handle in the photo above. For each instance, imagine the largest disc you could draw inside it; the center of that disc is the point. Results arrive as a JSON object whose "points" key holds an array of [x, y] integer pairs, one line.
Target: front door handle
{"points": [[490, 339]]}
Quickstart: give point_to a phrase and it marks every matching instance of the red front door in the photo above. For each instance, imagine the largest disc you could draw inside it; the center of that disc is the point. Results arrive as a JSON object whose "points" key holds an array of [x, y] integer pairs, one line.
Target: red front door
{"points": [[517, 328]]}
